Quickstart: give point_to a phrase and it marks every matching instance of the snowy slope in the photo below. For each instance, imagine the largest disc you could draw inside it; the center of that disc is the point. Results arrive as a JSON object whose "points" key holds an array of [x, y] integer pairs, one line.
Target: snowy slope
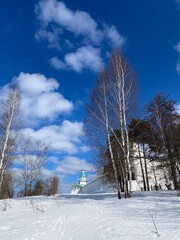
{"points": [[92, 217]]}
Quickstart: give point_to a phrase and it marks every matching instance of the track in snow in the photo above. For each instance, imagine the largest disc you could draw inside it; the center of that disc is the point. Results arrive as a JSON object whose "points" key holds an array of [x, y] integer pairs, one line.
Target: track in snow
{"points": [[90, 217]]}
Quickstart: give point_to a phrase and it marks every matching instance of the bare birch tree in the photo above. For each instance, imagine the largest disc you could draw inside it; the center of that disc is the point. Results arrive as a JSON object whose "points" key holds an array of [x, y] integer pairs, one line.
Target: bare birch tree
{"points": [[122, 87], [10, 123], [99, 111], [110, 106], [33, 157]]}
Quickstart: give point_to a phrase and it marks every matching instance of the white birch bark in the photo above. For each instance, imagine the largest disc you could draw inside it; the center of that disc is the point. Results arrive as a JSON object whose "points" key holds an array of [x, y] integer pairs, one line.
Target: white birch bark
{"points": [[110, 102], [10, 113], [124, 86]]}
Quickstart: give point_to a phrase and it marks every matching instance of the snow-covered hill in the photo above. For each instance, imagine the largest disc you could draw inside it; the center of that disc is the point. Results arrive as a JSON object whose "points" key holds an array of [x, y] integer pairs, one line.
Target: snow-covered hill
{"points": [[152, 215]]}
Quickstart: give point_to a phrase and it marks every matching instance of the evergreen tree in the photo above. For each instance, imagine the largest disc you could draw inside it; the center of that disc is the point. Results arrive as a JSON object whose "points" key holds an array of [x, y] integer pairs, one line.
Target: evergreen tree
{"points": [[163, 119]]}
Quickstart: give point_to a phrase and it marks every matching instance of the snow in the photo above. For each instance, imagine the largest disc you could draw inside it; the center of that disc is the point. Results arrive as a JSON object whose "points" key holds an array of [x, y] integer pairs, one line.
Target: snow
{"points": [[90, 217]]}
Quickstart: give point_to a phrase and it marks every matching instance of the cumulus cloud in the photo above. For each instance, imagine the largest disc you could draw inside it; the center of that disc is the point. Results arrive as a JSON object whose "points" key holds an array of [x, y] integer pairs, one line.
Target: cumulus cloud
{"points": [[177, 48], [178, 66], [55, 19], [34, 84], [62, 138], [178, 107], [57, 63], [47, 172], [53, 159], [85, 149], [52, 37], [80, 23], [114, 37], [40, 98], [77, 22], [73, 165], [84, 58]]}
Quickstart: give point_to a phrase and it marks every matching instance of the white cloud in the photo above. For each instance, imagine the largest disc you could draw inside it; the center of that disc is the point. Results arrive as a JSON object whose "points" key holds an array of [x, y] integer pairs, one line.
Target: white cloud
{"points": [[80, 23], [53, 160], [85, 149], [57, 63], [40, 99], [52, 37], [54, 16], [4, 92], [84, 58], [16, 173], [73, 165], [178, 66], [115, 38], [47, 172], [77, 22], [35, 84], [177, 48], [178, 107], [63, 138]]}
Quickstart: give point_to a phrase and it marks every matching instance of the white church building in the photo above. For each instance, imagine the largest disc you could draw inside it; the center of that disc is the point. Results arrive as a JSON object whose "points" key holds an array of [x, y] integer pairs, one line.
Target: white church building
{"points": [[82, 182], [156, 178]]}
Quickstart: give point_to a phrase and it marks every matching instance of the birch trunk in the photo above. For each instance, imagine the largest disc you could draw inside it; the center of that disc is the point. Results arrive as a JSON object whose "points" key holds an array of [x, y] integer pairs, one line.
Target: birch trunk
{"points": [[9, 114], [142, 170], [109, 143]]}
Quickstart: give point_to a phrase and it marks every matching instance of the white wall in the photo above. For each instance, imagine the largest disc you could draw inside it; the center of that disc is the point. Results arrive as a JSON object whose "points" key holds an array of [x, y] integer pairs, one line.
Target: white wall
{"points": [[97, 186]]}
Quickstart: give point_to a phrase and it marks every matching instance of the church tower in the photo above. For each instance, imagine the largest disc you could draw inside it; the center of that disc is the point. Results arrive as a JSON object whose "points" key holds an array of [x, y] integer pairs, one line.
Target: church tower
{"points": [[83, 179]]}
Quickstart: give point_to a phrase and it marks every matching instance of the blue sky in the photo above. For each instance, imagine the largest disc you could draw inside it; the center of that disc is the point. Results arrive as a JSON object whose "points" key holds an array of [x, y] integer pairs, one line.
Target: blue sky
{"points": [[55, 49]]}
